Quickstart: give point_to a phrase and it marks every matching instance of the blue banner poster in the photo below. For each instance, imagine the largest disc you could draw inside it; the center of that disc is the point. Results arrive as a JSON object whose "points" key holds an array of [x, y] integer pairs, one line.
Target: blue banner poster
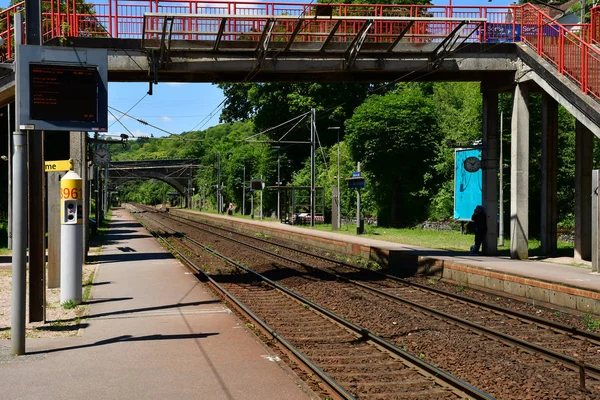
{"points": [[467, 183]]}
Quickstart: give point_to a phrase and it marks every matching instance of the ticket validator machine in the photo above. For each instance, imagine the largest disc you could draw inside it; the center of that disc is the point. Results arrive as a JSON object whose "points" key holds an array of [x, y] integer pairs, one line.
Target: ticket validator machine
{"points": [[71, 237]]}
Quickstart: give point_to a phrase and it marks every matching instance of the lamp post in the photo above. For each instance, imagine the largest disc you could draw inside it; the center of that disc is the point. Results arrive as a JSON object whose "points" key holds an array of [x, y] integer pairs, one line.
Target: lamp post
{"points": [[501, 211], [244, 189], [337, 200], [278, 182]]}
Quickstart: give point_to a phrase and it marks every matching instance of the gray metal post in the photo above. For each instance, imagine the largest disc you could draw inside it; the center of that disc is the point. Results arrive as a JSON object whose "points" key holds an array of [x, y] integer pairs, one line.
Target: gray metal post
{"points": [[244, 191], [358, 204], [19, 253], [595, 219], [261, 202], [218, 182], [105, 202], [9, 155], [337, 224], [339, 192], [312, 167], [501, 186], [278, 188]]}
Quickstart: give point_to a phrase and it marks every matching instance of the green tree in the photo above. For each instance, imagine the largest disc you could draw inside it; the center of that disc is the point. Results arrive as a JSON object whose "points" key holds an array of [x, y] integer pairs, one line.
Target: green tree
{"points": [[395, 136], [458, 114]]}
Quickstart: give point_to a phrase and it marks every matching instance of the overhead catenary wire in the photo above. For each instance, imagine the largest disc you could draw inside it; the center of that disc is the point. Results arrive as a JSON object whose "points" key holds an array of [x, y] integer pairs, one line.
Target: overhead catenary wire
{"points": [[141, 121], [123, 125], [131, 108]]}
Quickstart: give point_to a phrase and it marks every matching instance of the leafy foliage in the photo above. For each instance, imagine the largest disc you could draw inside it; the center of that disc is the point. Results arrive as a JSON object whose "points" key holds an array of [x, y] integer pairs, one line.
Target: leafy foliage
{"points": [[395, 136]]}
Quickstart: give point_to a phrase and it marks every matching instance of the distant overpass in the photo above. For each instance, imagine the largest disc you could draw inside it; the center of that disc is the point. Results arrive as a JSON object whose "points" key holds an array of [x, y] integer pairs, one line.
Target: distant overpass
{"points": [[178, 173]]}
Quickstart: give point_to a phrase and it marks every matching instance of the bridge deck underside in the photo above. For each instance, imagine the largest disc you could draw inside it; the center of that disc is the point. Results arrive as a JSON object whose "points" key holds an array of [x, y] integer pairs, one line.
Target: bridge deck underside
{"points": [[195, 61]]}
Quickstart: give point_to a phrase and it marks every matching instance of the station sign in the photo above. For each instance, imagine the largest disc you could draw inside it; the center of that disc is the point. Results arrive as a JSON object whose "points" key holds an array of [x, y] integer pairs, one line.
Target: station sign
{"points": [[356, 183], [356, 174], [62, 89], [256, 184], [59, 166]]}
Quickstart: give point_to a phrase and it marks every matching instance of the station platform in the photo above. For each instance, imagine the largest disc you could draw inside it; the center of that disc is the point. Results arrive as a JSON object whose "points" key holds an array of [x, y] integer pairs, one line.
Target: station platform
{"points": [[552, 284], [154, 332]]}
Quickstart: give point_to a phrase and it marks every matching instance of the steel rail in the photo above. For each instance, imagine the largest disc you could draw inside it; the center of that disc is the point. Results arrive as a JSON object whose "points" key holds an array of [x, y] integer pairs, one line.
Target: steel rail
{"points": [[361, 332], [266, 327], [567, 330], [568, 361]]}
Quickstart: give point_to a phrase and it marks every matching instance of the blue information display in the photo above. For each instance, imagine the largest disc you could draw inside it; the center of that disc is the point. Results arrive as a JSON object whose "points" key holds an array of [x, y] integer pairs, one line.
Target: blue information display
{"points": [[467, 185]]}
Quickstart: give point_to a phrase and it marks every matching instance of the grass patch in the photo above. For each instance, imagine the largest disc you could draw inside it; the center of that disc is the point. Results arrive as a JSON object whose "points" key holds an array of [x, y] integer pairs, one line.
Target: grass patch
{"points": [[69, 304], [87, 286], [103, 227], [4, 238], [443, 240], [591, 323]]}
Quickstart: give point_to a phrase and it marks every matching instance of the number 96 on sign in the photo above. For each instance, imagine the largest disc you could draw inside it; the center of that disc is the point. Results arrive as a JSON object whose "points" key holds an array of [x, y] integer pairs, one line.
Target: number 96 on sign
{"points": [[70, 193]]}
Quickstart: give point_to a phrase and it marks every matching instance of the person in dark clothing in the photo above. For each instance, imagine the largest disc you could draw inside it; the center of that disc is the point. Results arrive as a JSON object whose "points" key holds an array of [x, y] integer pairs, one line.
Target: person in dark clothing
{"points": [[480, 227]]}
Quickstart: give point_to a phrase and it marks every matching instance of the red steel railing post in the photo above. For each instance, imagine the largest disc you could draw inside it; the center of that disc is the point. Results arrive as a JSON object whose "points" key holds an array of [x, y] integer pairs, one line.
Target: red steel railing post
{"points": [[539, 34], [116, 32], [561, 52], [583, 68]]}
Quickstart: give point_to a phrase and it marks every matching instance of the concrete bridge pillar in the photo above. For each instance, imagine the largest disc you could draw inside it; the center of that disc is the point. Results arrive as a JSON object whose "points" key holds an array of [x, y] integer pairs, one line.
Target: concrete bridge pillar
{"points": [[549, 214], [583, 192], [490, 169], [519, 174]]}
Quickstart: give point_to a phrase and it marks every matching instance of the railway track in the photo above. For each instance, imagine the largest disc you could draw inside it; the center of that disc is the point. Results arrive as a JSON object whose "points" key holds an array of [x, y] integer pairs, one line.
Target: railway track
{"points": [[354, 362], [574, 349]]}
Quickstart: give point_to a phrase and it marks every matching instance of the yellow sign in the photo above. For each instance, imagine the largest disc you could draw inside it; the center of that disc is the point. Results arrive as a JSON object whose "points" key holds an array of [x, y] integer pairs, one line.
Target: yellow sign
{"points": [[71, 196], [59, 166]]}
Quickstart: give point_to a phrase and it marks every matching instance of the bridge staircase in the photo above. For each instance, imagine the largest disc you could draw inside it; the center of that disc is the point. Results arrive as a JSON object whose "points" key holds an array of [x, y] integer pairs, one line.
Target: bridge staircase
{"points": [[564, 61]]}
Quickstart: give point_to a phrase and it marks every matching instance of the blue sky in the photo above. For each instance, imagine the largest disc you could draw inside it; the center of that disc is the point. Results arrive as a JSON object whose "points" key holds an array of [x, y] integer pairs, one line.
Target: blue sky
{"points": [[173, 107], [182, 107]]}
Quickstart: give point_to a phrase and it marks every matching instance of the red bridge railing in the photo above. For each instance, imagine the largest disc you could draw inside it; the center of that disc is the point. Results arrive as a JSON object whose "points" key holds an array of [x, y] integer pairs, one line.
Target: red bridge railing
{"points": [[570, 52], [572, 49], [595, 26]]}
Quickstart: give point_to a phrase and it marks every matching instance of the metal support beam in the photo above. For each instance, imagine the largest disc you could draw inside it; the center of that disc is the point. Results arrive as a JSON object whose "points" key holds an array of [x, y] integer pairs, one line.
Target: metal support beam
{"points": [[331, 35], [165, 41], [265, 39], [220, 34], [354, 47], [449, 44], [400, 36], [297, 28]]}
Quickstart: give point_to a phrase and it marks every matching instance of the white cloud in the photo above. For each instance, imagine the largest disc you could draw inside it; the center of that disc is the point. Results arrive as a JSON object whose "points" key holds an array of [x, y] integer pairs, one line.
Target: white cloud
{"points": [[176, 83], [165, 119]]}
